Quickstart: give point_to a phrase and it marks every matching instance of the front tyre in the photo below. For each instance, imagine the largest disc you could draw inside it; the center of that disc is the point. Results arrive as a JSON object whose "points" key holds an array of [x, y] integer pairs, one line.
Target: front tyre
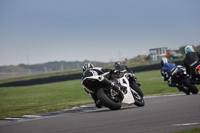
{"points": [[139, 100], [107, 100], [135, 87]]}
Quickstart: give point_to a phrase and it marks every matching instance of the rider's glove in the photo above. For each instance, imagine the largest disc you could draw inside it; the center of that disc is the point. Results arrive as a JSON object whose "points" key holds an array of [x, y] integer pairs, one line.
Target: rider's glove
{"points": [[113, 71], [129, 75]]}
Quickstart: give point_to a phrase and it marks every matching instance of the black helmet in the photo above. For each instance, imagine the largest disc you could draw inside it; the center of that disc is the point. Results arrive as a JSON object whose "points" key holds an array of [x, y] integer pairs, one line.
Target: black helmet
{"points": [[87, 66], [119, 66], [117, 63]]}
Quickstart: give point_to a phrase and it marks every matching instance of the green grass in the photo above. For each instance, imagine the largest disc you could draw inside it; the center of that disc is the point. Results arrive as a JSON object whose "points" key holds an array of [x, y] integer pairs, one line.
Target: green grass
{"points": [[18, 101], [196, 130]]}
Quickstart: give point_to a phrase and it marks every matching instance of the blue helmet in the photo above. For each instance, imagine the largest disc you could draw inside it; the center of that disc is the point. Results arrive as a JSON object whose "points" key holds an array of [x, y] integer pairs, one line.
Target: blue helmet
{"points": [[163, 61], [189, 48]]}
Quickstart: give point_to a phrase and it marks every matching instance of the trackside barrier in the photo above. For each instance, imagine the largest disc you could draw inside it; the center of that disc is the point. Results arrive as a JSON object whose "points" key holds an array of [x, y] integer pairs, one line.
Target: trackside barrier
{"points": [[75, 76]]}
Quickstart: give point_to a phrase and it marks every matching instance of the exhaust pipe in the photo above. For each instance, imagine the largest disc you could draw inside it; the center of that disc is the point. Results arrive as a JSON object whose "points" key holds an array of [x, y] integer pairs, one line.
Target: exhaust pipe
{"points": [[112, 85]]}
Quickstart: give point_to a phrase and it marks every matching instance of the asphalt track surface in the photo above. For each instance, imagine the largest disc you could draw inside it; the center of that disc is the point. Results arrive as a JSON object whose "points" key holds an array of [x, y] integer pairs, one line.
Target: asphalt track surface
{"points": [[162, 114]]}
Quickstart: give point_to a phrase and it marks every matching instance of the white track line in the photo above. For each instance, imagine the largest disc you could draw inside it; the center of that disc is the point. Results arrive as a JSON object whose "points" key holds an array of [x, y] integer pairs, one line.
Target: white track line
{"points": [[186, 124]]}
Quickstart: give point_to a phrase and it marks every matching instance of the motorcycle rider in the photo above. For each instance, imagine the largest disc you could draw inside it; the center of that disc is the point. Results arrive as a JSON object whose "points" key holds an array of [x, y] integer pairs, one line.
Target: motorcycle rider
{"points": [[167, 70], [112, 74], [170, 72], [119, 66], [125, 69], [191, 61]]}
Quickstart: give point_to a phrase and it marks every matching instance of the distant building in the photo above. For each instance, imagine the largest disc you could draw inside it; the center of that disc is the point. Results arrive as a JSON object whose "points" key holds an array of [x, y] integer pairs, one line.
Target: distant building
{"points": [[156, 54]]}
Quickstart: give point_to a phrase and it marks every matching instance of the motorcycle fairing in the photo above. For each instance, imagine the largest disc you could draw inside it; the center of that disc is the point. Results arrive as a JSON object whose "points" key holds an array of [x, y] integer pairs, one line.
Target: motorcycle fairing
{"points": [[128, 96]]}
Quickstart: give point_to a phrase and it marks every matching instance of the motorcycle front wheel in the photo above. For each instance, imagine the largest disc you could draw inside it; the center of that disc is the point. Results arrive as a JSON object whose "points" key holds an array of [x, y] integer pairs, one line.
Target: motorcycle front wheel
{"points": [[139, 100], [107, 100], [137, 89]]}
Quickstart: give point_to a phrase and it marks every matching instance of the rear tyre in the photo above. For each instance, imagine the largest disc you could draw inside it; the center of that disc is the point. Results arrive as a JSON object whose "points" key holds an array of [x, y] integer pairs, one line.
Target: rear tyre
{"points": [[192, 88], [186, 91], [106, 99]]}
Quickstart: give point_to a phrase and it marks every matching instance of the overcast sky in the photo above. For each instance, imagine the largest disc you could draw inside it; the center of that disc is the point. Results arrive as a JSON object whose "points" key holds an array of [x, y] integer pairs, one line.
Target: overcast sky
{"points": [[39, 31]]}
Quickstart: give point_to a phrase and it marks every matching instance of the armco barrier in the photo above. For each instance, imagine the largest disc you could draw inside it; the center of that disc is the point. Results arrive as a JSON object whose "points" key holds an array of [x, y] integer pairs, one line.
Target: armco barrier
{"points": [[43, 80], [151, 67], [75, 76]]}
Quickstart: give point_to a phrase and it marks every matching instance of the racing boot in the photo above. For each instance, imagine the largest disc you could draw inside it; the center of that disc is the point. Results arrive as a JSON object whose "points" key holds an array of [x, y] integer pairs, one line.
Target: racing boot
{"points": [[96, 100], [98, 104]]}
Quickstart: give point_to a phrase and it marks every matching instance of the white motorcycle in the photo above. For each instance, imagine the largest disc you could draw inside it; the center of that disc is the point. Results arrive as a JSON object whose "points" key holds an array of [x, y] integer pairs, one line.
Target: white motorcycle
{"points": [[112, 94]]}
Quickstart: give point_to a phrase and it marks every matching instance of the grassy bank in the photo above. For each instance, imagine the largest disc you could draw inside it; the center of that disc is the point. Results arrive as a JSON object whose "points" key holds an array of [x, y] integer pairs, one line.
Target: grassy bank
{"points": [[17, 101], [196, 130]]}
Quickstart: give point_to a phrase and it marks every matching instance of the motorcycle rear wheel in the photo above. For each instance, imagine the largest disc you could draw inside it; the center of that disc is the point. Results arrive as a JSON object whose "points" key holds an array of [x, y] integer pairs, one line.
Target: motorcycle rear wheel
{"points": [[192, 88], [181, 88], [107, 101]]}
